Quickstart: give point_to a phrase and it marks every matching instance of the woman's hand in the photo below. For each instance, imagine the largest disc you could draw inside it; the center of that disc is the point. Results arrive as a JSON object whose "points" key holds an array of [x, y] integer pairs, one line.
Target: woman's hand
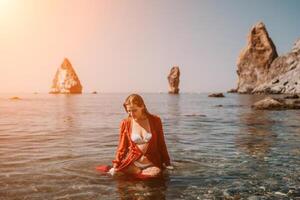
{"points": [[112, 171]]}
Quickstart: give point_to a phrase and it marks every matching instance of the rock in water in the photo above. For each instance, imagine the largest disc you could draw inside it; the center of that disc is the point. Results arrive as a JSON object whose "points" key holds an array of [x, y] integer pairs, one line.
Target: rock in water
{"points": [[15, 98], [284, 74], [173, 79], [216, 95], [233, 90], [270, 103], [66, 81], [254, 60]]}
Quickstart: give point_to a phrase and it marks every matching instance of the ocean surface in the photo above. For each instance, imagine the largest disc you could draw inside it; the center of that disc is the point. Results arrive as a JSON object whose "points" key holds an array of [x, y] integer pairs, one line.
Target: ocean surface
{"points": [[220, 148]]}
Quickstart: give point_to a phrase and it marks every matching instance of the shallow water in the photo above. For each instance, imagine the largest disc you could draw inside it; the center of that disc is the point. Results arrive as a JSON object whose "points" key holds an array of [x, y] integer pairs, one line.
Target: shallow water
{"points": [[220, 148]]}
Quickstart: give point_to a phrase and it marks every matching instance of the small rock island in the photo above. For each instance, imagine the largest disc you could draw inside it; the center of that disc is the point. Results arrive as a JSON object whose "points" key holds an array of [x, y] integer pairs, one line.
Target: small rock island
{"points": [[66, 80]]}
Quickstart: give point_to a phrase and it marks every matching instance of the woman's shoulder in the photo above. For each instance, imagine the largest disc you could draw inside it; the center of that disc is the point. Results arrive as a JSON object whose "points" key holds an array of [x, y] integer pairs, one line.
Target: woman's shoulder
{"points": [[124, 123], [155, 118], [125, 120]]}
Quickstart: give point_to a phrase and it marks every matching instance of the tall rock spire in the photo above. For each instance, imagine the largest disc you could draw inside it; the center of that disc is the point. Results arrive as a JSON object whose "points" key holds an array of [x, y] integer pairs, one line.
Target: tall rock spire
{"points": [[66, 80], [255, 59], [173, 79]]}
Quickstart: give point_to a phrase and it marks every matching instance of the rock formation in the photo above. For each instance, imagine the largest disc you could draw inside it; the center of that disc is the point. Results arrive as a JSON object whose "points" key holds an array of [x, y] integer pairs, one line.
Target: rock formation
{"points": [[284, 74], [260, 70], [255, 59], [276, 104], [66, 81], [173, 79], [233, 90]]}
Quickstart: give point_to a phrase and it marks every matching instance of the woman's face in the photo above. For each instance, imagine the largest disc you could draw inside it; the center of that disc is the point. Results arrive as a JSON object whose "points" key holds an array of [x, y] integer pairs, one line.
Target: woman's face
{"points": [[135, 111]]}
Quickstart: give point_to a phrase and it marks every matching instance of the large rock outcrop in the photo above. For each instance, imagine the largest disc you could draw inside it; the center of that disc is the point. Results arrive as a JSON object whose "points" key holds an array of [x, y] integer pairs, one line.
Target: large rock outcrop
{"points": [[173, 79], [66, 80], [284, 74], [255, 59]]}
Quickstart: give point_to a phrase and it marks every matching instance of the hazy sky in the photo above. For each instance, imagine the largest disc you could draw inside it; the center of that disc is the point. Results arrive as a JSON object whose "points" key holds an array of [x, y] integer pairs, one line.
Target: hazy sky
{"points": [[130, 45]]}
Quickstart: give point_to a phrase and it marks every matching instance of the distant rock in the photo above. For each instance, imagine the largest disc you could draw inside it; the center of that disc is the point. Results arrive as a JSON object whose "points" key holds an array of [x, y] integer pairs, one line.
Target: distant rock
{"points": [[255, 59], [15, 98], [234, 90], [66, 80], [216, 95], [95, 92], [270, 103], [284, 74], [173, 79]]}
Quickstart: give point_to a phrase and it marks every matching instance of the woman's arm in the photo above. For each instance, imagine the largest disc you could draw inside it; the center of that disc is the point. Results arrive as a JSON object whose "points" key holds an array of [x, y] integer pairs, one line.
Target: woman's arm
{"points": [[162, 144], [122, 147]]}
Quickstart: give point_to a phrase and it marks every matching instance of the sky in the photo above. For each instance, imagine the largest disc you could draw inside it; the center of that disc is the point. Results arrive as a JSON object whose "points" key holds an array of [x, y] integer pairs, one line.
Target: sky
{"points": [[131, 45]]}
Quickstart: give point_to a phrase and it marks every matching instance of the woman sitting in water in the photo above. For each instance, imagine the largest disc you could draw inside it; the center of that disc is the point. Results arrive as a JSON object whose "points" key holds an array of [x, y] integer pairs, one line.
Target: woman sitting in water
{"points": [[142, 149]]}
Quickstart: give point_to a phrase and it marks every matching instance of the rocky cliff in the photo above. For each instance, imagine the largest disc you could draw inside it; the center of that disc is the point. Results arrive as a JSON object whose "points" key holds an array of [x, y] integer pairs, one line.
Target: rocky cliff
{"points": [[284, 74], [66, 80], [255, 59], [260, 70]]}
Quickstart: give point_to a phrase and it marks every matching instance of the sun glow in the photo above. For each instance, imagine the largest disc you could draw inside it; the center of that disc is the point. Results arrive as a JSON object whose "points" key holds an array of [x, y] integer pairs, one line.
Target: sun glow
{"points": [[4, 2], [6, 7]]}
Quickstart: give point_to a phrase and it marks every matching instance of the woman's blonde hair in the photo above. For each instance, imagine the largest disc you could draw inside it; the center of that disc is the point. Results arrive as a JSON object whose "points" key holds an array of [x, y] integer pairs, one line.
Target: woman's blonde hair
{"points": [[137, 100]]}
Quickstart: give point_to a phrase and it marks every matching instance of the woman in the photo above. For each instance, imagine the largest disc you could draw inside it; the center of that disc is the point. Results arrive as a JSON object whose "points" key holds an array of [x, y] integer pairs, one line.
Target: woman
{"points": [[142, 149]]}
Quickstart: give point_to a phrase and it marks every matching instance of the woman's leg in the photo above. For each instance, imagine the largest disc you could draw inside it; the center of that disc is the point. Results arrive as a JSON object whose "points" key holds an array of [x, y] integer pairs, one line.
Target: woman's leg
{"points": [[151, 171], [132, 169]]}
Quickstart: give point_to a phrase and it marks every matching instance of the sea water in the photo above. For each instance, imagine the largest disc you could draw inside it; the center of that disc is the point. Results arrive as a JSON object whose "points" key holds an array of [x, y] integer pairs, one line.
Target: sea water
{"points": [[220, 148]]}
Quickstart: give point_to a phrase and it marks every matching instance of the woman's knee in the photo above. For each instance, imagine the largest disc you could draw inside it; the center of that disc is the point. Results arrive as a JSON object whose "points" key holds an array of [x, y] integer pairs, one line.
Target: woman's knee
{"points": [[151, 171], [132, 169]]}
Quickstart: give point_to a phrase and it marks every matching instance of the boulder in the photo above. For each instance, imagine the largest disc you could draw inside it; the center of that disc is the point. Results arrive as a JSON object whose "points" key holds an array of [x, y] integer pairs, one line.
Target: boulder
{"points": [[233, 90], [15, 98], [173, 79], [66, 80], [255, 59], [270, 103], [216, 95]]}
